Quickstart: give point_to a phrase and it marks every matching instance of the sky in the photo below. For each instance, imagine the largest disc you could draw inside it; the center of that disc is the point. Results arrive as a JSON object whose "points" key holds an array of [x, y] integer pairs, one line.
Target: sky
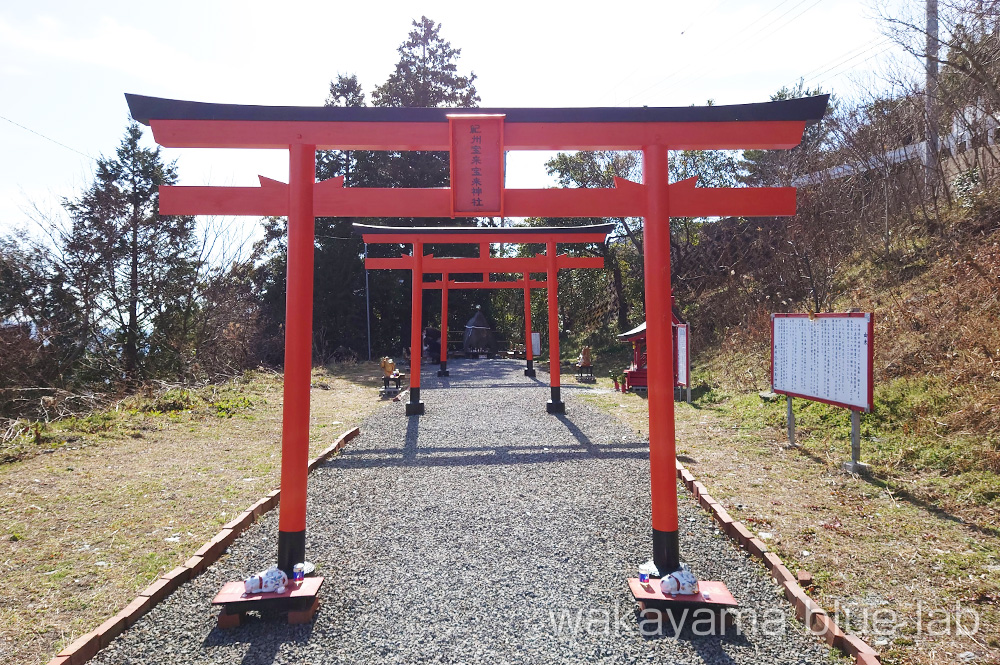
{"points": [[65, 66]]}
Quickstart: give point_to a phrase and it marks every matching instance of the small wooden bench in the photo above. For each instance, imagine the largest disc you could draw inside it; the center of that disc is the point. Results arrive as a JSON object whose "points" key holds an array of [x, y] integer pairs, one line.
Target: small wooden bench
{"points": [[585, 373], [713, 601], [390, 390], [300, 601]]}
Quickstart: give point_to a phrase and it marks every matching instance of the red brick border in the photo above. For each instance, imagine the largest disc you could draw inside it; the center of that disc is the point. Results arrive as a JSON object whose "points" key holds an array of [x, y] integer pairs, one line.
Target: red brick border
{"points": [[806, 609], [86, 646]]}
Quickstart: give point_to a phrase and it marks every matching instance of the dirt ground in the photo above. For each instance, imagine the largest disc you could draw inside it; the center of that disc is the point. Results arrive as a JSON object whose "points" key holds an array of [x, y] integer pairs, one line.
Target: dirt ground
{"points": [[86, 527], [918, 584]]}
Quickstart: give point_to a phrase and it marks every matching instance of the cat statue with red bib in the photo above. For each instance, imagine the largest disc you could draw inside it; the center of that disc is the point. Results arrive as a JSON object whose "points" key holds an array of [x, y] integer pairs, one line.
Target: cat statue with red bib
{"points": [[680, 582], [272, 580]]}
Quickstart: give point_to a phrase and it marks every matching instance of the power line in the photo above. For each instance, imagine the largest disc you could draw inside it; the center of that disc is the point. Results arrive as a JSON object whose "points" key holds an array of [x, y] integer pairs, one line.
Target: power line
{"points": [[839, 66], [765, 15], [681, 69], [738, 34], [839, 70], [792, 9], [47, 138], [843, 57]]}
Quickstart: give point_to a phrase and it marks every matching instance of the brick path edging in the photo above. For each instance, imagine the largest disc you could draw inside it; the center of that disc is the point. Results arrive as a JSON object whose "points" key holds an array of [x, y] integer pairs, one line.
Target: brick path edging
{"points": [[86, 646], [807, 611]]}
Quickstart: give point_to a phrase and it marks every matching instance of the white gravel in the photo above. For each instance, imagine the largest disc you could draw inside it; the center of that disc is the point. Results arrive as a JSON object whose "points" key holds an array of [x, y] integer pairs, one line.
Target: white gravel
{"points": [[485, 531]]}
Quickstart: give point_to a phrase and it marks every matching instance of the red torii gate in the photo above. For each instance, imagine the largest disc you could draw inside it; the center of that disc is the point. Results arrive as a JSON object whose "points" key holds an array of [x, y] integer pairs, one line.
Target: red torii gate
{"points": [[303, 130], [419, 264]]}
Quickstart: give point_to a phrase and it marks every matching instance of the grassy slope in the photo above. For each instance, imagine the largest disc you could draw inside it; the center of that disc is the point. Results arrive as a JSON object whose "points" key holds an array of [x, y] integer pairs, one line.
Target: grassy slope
{"points": [[127, 494], [870, 548], [926, 526], [935, 431]]}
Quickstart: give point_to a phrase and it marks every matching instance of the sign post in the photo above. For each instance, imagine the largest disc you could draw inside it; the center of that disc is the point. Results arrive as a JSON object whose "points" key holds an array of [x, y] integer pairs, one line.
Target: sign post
{"points": [[791, 422], [683, 359], [529, 341], [825, 358]]}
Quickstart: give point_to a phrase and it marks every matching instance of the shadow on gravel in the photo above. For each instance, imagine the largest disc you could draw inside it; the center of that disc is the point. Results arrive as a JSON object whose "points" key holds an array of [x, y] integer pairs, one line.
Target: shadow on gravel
{"points": [[486, 457], [264, 636], [410, 442], [709, 648], [432, 456], [445, 384], [479, 371], [581, 437]]}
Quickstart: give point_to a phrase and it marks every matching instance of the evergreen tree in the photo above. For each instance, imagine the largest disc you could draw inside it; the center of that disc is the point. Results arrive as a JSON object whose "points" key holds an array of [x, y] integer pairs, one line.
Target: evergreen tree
{"points": [[425, 76], [130, 266]]}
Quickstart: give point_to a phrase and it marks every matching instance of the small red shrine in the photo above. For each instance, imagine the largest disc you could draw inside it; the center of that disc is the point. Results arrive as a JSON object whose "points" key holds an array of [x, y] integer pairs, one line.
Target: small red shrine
{"points": [[636, 373]]}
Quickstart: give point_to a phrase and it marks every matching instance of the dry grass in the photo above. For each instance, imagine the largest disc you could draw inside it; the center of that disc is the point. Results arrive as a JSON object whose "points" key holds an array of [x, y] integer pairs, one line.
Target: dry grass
{"points": [[87, 526], [868, 549]]}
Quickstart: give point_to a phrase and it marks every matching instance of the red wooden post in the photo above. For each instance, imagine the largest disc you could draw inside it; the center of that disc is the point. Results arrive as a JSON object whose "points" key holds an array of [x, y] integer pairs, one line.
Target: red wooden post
{"points": [[659, 360], [298, 357], [415, 407], [530, 369], [444, 326], [554, 405]]}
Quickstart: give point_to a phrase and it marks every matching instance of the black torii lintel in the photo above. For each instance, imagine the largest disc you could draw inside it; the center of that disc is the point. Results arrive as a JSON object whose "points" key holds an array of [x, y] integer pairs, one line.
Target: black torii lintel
{"points": [[809, 109]]}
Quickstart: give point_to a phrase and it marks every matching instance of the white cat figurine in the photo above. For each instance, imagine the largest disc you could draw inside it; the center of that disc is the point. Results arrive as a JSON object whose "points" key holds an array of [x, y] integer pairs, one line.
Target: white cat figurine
{"points": [[272, 580], [681, 582]]}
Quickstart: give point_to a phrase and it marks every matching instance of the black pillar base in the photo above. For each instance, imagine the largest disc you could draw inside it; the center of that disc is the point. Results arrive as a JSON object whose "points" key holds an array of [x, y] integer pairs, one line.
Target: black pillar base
{"points": [[291, 550], [414, 407], [530, 369], [444, 369], [555, 405], [666, 552]]}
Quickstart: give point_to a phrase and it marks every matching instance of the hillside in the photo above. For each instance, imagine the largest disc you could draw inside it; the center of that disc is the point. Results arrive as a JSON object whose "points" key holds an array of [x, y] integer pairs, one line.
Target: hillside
{"points": [[935, 430]]}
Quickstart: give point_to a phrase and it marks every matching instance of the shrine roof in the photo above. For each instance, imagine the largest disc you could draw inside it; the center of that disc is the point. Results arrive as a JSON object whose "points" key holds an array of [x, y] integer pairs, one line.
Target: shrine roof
{"points": [[639, 332], [144, 109]]}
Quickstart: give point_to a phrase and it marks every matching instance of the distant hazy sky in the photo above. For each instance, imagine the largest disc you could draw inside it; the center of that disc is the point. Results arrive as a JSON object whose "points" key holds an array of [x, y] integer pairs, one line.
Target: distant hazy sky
{"points": [[64, 66]]}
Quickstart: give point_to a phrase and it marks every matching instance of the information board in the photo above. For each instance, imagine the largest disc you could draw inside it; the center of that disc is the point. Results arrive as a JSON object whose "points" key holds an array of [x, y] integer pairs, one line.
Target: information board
{"points": [[681, 360], [826, 358]]}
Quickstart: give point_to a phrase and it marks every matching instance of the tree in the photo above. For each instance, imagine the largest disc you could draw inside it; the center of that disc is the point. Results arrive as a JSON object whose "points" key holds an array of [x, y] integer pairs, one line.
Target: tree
{"points": [[426, 75], [127, 263], [599, 169], [40, 331], [967, 43]]}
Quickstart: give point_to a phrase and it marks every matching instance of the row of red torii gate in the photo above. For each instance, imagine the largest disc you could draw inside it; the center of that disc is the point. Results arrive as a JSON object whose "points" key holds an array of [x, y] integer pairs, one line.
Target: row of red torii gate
{"points": [[476, 140]]}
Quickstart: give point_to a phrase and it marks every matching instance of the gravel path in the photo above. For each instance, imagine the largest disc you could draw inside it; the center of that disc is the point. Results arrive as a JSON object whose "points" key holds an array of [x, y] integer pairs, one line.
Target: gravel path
{"points": [[485, 531]]}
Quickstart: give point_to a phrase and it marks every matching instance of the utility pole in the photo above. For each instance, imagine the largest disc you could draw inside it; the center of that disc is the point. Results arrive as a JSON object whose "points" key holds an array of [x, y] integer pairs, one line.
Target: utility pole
{"points": [[931, 151]]}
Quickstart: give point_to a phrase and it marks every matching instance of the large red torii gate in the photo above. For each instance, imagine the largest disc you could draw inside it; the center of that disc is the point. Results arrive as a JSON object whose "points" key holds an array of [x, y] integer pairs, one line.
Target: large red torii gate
{"points": [[303, 130], [419, 264]]}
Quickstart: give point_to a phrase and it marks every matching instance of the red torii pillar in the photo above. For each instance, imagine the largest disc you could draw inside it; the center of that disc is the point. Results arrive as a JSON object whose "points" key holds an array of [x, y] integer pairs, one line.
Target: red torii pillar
{"points": [[298, 357], [529, 370], [659, 359], [415, 407], [555, 404], [444, 326]]}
